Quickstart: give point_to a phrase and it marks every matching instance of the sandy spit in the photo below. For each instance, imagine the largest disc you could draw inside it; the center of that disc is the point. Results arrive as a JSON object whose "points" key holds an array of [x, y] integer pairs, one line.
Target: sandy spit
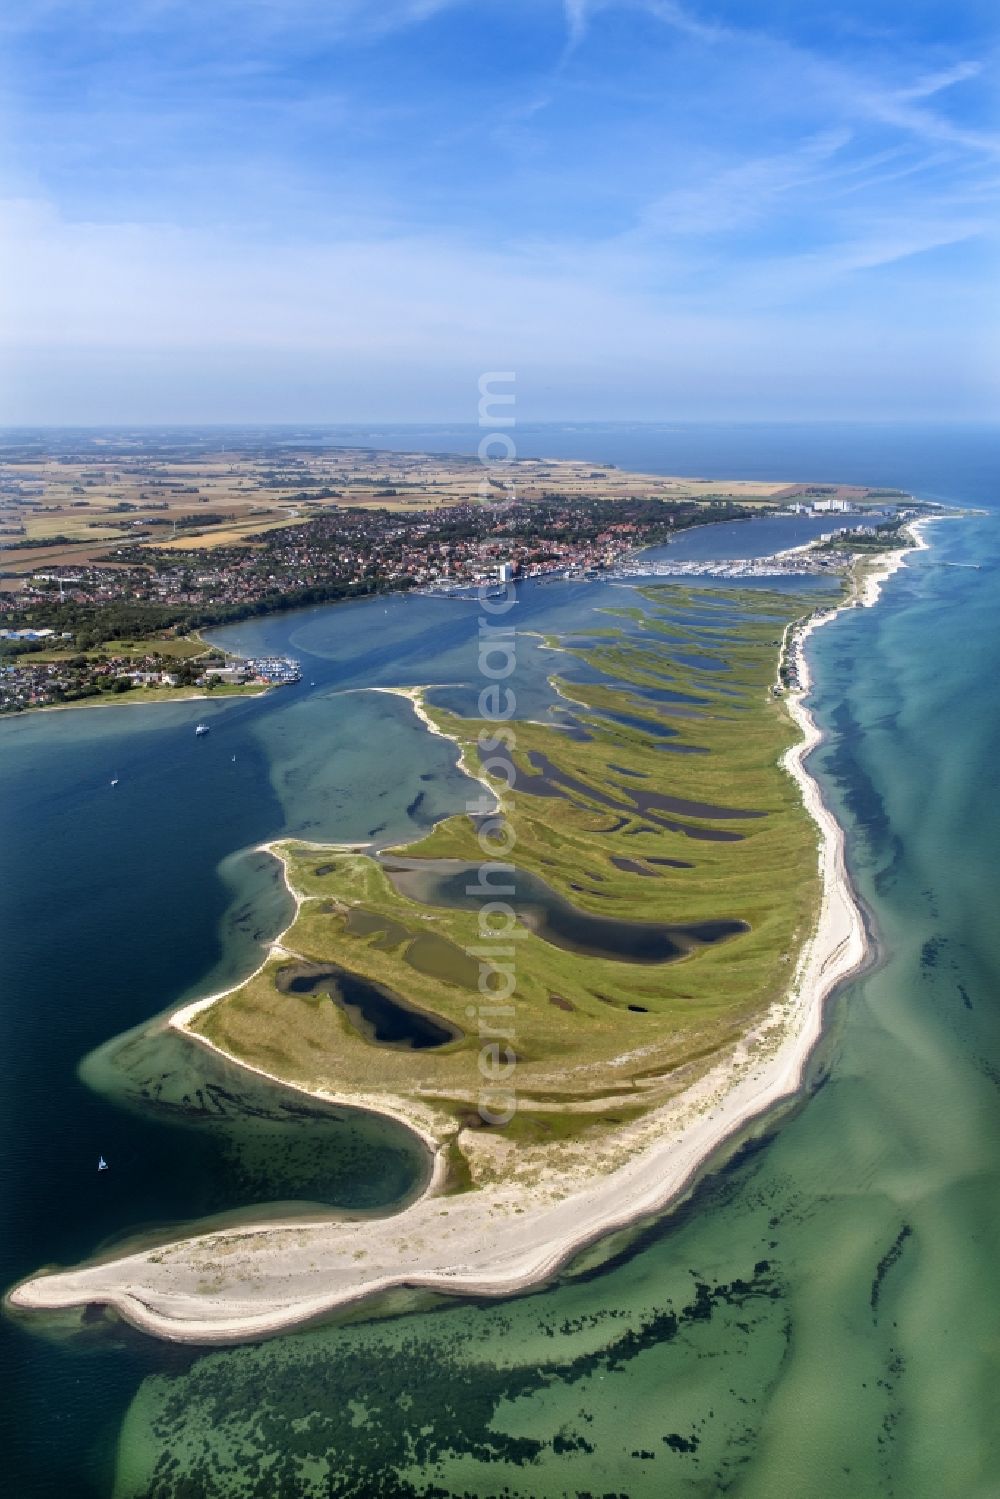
{"points": [[245, 1283]]}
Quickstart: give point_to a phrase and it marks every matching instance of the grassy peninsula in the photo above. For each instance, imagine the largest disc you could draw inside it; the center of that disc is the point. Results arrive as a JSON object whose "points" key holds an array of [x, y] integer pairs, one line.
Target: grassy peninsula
{"points": [[674, 797], [664, 809]]}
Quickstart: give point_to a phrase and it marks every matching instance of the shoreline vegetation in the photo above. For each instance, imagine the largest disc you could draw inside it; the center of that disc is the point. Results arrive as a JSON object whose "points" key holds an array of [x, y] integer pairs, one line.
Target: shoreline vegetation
{"points": [[508, 1231], [145, 697]]}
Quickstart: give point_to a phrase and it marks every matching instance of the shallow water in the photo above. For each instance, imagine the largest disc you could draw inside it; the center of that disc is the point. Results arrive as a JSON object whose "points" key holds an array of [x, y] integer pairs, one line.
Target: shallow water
{"points": [[549, 780], [450, 883], [739, 539]]}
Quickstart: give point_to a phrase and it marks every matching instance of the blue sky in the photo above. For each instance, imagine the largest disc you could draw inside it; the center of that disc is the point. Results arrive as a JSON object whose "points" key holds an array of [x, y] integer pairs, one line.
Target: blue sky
{"points": [[336, 210]]}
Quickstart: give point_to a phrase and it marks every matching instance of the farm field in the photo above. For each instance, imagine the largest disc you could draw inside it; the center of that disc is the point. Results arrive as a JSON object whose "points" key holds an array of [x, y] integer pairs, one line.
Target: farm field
{"points": [[62, 511]]}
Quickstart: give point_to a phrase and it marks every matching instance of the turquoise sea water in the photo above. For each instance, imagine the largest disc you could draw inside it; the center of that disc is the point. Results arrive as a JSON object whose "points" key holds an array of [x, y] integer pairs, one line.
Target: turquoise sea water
{"points": [[822, 1318]]}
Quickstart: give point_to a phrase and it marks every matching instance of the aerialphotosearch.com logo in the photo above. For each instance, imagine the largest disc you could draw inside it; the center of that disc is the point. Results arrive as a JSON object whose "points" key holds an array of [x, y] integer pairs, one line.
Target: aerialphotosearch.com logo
{"points": [[497, 924]]}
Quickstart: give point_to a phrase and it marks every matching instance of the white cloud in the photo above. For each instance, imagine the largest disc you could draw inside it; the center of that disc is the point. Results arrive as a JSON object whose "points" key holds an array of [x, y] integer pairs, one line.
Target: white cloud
{"points": [[750, 211], [934, 83], [362, 18], [742, 193], [576, 12]]}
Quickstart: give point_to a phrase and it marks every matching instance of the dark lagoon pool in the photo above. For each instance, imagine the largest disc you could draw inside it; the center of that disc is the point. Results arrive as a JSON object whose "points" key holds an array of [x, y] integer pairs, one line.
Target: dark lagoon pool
{"points": [[552, 916], [375, 1012]]}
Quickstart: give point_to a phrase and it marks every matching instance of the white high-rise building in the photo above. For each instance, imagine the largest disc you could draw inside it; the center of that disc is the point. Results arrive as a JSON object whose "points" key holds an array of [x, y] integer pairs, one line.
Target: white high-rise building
{"points": [[824, 507]]}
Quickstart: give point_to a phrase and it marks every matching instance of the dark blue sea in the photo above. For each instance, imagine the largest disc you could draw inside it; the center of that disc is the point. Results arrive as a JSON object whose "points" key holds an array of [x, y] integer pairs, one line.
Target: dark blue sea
{"points": [[821, 1318]]}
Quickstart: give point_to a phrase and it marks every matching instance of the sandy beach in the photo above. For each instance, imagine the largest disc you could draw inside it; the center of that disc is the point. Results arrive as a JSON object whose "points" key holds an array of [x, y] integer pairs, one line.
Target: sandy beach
{"points": [[239, 1284]]}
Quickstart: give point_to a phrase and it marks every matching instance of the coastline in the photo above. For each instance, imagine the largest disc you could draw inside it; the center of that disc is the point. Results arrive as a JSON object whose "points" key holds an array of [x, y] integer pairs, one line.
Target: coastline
{"points": [[509, 1239], [415, 697], [178, 1020], [124, 700]]}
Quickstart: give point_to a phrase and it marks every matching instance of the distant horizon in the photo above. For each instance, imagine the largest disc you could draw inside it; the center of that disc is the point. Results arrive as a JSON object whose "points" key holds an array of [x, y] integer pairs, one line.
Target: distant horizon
{"points": [[455, 423]]}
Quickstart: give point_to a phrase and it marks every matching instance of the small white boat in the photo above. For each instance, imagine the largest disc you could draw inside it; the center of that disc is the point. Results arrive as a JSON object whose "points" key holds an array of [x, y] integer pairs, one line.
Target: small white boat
{"points": [[102, 1164], [115, 781], [201, 729]]}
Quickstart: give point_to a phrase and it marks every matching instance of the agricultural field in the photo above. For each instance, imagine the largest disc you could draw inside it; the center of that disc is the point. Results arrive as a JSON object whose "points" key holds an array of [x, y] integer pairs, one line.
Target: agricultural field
{"points": [[63, 512]]}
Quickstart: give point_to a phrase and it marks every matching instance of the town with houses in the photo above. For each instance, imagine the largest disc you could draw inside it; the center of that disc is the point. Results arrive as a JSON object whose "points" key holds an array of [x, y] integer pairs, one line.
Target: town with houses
{"points": [[80, 615], [34, 683], [97, 619]]}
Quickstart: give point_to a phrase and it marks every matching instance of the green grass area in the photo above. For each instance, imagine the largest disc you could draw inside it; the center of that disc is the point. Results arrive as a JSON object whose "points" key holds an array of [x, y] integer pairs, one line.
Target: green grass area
{"points": [[160, 695], [874, 545], [173, 647], [597, 1040]]}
